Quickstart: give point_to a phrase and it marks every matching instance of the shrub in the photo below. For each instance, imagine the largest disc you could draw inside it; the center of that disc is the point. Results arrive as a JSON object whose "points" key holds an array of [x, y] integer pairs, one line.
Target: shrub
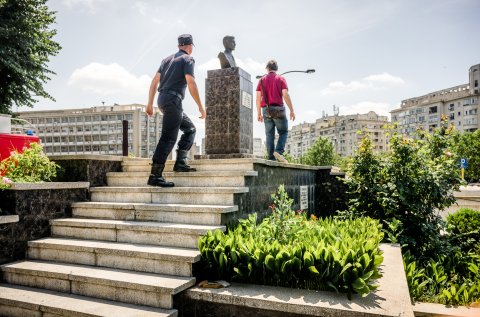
{"points": [[464, 229], [409, 184], [30, 166], [286, 249]]}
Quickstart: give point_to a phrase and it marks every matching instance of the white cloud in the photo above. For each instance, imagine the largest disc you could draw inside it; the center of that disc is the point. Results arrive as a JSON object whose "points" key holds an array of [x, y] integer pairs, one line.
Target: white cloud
{"points": [[141, 7], [107, 80], [381, 108], [373, 82], [385, 78]]}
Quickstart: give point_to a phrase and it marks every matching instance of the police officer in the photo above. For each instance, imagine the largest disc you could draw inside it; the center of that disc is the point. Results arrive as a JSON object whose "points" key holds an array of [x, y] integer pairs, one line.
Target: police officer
{"points": [[174, 75]]}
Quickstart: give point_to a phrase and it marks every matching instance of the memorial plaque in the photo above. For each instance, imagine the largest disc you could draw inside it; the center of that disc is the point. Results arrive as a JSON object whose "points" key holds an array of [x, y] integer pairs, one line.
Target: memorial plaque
{"points": [[303, 197], [246, 99]]}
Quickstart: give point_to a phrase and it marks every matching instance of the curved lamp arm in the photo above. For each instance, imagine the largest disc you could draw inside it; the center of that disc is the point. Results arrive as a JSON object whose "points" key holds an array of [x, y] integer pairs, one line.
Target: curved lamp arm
{"points": [[308, 71]]}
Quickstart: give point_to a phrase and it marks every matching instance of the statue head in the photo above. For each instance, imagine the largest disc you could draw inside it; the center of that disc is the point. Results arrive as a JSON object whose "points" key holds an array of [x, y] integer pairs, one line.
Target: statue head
{"points": [[229, 42]]}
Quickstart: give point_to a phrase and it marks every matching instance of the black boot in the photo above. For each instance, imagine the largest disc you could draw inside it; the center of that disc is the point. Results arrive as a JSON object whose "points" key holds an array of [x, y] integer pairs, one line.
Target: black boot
{"points": [[156, 178], [181, 162]]}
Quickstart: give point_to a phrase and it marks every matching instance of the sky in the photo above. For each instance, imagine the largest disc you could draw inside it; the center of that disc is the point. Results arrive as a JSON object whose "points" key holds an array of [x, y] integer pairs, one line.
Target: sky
{"points": [[368, 54]]}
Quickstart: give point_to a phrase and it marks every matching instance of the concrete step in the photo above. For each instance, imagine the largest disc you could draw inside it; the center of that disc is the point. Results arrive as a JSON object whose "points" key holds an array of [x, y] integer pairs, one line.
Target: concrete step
{"points": [[112, 284], [171, 195], [134, 257], [192, 179], [151, 233], [242, 164], [21, 301], [176, 213]]}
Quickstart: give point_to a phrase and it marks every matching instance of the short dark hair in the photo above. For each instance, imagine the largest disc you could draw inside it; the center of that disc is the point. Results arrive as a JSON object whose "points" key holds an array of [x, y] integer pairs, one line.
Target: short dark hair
{"points": [[272, 65]]}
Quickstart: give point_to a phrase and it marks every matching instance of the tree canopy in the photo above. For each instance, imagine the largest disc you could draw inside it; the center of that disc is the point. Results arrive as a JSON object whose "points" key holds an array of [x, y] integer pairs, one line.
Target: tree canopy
{"points": [[26, 46], [321, 153]]}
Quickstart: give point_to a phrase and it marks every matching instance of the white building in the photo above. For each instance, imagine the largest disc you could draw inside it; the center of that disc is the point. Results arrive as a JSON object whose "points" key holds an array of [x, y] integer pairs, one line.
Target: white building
{"points": [[259, 148], [460, 104], [96, 130], [342, 131]]}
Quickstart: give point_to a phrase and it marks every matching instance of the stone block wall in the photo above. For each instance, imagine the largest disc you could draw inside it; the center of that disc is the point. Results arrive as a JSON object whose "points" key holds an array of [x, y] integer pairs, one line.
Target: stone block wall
{"points": [[35, 206], [87, 168], [326, 191]]}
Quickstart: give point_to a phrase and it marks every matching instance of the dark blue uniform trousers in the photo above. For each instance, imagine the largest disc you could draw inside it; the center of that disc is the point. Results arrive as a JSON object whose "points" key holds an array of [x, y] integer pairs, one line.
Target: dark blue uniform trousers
{"points": [[174, 119]]}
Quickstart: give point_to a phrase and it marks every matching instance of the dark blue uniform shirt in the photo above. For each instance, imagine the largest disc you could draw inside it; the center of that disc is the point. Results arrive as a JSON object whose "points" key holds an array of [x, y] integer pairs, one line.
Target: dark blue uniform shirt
{"points": [[173, 71]]}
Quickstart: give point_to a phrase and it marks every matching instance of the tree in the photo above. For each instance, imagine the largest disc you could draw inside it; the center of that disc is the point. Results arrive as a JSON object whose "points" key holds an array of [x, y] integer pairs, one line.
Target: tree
{"points": [[407, 186], [25, 48], [321, 153], [467, 145]]}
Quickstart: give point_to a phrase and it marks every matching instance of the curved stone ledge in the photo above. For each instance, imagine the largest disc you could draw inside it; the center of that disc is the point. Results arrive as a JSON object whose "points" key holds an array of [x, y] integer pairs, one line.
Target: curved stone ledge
{"points": [[391, 299], [8, 219], [49, 185], [95, 157], [439, 310]]}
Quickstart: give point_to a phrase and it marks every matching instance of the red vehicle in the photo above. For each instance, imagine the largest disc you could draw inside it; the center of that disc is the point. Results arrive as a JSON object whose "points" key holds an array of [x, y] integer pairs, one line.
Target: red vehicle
{"points": [[11, 142]]}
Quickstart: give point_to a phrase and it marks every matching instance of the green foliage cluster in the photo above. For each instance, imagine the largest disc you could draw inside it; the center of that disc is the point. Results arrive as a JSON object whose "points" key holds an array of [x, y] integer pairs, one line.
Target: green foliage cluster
{"points": [[30, 166], [452, 279], [25, 48], [409, 184], [467, 145], [464, 229], [286, 249], [321, 153], [405, 188]]}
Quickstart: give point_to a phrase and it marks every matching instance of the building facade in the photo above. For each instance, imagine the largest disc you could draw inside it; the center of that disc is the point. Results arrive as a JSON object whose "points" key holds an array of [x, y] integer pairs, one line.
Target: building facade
{"points": [[460, 104], [96, 130], [342, 131]]}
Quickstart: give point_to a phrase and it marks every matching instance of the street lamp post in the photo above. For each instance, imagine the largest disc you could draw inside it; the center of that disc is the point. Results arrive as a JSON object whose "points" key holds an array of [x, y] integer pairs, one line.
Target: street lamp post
{"points": [[308, 71]]}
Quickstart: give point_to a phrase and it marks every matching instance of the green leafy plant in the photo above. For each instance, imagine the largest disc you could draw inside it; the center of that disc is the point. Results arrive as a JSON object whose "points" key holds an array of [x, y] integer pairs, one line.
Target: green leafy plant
{"points": [[464, 229], [321, 153], [467, 145], [30, 166], [409, 184], [287, 249], [452, 279]]}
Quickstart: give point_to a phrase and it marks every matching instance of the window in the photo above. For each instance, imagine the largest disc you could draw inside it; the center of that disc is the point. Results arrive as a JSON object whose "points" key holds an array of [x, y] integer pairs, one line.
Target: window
{"points": [[452, 116], [476, 83], [451, 107], [432, 109]]}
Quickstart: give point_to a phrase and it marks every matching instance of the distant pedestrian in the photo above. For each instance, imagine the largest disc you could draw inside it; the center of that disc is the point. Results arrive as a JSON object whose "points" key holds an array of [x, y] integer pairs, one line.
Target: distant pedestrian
{"points": [[272, 91], [172, 78]]}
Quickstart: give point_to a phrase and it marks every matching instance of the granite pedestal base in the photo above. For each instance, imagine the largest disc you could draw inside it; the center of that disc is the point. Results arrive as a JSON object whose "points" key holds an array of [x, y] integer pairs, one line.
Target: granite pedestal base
{"points": [[229, 123]]}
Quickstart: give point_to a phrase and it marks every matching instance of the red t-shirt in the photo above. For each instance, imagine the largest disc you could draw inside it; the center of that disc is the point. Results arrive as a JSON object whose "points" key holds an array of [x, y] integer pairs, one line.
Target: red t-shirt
{"points": [[273, 84]]}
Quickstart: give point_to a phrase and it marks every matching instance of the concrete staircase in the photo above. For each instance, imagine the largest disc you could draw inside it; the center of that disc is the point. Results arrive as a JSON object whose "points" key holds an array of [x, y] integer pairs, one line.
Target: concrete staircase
{"points": [[129, 250]]}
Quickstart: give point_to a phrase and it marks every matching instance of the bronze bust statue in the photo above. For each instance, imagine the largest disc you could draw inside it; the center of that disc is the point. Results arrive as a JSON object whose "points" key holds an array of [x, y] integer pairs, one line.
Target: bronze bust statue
{"points": [[226, 57]]}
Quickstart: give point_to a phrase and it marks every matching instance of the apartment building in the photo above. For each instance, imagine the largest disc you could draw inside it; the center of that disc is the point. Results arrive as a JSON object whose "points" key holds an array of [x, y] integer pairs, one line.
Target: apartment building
{"points": [[342, 131], [460, 104], [96, 130]]}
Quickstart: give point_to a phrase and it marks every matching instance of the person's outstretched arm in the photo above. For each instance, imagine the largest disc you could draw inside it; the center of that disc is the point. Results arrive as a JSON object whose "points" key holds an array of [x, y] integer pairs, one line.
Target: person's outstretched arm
{"points": [[193, 89], [288, 101], [151, 93]]}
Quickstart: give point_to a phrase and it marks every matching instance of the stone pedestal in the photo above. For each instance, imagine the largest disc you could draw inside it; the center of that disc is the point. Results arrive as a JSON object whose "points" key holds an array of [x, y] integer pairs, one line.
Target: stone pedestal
{"points": [[229, 103]]}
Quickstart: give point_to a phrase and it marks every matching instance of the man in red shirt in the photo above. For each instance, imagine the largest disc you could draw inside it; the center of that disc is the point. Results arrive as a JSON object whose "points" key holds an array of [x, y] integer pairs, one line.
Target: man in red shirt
{"points": [[272, 91]]}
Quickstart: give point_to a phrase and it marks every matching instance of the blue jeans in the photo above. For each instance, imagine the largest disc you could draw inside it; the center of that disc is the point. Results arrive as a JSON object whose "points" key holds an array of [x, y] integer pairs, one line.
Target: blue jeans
{"points": [[282, 129], [174, 120]]}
